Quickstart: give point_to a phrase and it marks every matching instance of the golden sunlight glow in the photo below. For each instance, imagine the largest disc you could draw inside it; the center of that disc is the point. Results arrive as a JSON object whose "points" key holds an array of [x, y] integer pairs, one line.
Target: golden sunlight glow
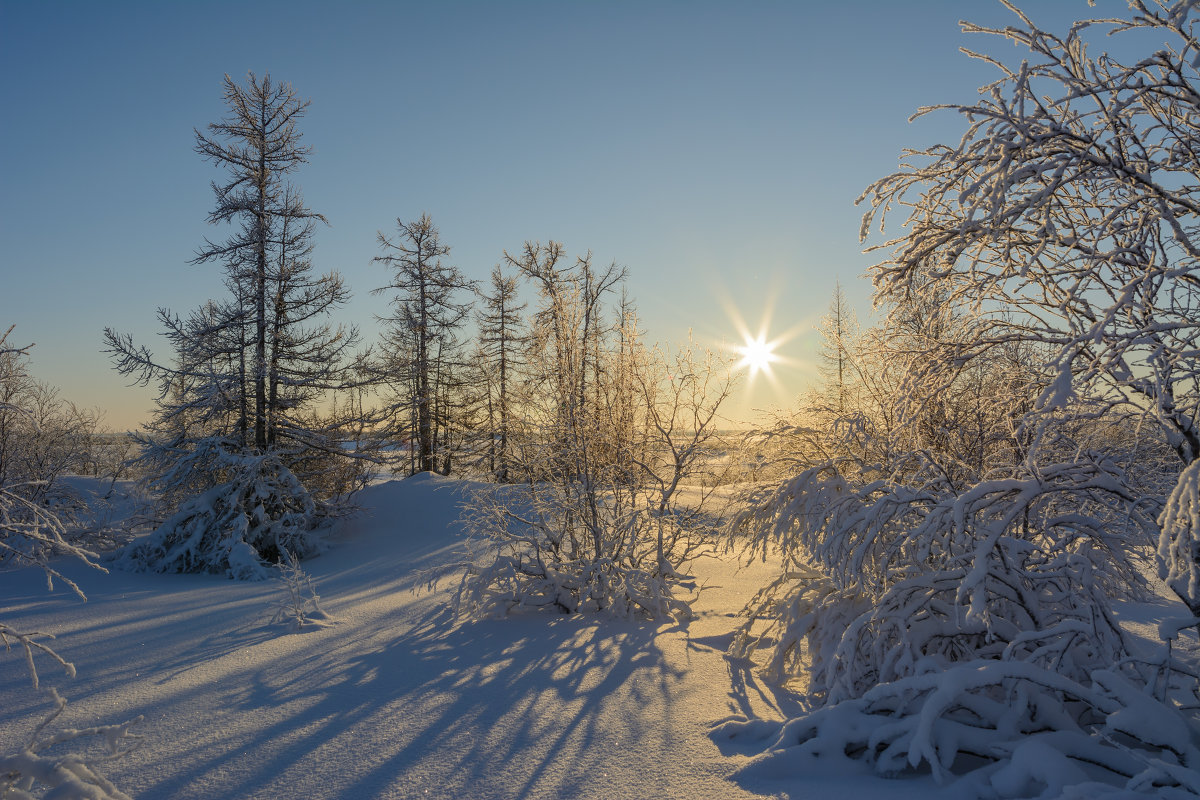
{"points": [[757, 355], [761, 351]]}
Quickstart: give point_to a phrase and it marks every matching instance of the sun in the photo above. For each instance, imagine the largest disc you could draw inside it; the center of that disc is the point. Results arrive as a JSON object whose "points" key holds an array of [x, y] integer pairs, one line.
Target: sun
{"points": [[762, 348], [757, 354]]}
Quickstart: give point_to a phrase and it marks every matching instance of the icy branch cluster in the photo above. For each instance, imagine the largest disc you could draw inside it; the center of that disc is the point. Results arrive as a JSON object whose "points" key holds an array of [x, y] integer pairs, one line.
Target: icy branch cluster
{"points": [[32, 533], [300, 606], [951, 555], [69, 776], [608, 433]]}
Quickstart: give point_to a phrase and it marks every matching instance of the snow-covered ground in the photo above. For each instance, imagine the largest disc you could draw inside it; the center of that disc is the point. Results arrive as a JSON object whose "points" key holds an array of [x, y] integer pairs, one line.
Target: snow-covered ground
{"points": [[395, 701]]}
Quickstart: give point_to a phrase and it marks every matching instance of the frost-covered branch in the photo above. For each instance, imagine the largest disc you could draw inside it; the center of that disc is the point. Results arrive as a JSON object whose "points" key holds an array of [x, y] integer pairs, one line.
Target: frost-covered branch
{"points": [[609, 445], [71, 776], [949, 566]]}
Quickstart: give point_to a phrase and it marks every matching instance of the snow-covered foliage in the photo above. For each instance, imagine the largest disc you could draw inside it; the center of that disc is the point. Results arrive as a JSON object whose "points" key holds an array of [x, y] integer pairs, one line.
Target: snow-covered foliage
{"points": [[1067, 217], [245, 447], [952, 553], [32, 533], [39, 770], [256, 511], [597, 519], [931, 625], [1036, 731], [897, 570], [300, 605], [1179, 541]]}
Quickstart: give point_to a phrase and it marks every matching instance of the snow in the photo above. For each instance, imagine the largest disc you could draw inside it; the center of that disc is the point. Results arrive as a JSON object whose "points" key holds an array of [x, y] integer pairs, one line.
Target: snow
{"points": [[395, 700]]}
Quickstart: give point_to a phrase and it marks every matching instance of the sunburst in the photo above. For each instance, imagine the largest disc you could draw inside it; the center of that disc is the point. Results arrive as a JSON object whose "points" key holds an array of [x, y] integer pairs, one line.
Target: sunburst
{"points": [[758, 354]]}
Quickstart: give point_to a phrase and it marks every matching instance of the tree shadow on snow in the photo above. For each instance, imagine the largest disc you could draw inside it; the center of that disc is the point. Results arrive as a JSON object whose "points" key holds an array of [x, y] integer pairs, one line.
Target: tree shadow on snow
{"points": [[750, 696], [531, 706]]}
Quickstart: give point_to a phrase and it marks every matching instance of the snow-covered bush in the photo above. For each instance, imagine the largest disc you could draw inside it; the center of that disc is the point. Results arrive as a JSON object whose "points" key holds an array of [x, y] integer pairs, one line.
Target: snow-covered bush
{"points": [[948, 587], [575, 547], [31, 534], [240, 526], [300, 605], [39, 767], [598, 517], [896, 571], [930, 626], [1027, 730], [612, 533]]}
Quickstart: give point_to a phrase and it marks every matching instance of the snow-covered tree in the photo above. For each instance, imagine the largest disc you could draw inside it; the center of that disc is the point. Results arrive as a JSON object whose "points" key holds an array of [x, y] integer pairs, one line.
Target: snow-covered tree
{"points": [[501, 339], [1067, 219], [608, 432], [953, 598], [839, 335], [421, 345], [266, 258], [240, 397]]}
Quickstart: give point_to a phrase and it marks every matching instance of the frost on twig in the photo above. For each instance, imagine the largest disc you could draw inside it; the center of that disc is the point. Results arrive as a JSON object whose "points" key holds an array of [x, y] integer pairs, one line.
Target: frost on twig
{"points": [[949, 585], [28, 642], [607, 506], [299, 606], [39, 767]]}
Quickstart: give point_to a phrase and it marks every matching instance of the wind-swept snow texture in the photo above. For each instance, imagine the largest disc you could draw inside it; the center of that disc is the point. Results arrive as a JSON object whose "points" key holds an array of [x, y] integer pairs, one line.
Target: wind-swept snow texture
{"points": [[393, 701]]}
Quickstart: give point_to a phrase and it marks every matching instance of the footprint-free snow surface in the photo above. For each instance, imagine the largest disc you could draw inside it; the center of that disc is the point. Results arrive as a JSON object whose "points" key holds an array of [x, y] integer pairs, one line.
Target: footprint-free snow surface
{"points": [[394, 700]]}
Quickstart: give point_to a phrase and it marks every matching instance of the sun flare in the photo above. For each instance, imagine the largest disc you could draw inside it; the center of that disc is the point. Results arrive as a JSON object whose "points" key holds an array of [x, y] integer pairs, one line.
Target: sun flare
{"points": [[757, 355]]}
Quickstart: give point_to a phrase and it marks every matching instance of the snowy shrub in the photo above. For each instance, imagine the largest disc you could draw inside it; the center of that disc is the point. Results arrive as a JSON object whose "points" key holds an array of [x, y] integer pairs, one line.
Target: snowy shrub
{"points": [[598, 517], [300, 605], [574, 547], [948, 589], [238, 527], [31, 534], [70, 776], [587, 536], [1036, 731], [1179, 542], [884, 577], [935, 627]]}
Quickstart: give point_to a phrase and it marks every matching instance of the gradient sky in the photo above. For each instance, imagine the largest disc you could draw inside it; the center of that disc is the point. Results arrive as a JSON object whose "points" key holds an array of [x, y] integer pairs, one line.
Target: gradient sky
{"points": [[715, 149]]}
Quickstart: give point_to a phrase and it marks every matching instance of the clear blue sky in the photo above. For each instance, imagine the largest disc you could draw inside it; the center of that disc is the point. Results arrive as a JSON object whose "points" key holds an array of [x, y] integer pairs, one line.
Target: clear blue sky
{"points": [[715, 149]]}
